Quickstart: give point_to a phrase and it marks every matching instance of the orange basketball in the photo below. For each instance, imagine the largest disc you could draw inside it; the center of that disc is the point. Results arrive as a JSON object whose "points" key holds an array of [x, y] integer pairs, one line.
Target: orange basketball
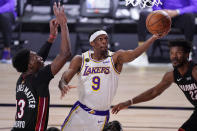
{"points": [[158, 22]]}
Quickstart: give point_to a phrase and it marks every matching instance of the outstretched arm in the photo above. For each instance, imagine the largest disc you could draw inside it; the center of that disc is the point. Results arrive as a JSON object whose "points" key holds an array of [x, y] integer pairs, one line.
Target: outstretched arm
{"points": [[147, 95], [74, 68], [65, 50], [123, 56]]}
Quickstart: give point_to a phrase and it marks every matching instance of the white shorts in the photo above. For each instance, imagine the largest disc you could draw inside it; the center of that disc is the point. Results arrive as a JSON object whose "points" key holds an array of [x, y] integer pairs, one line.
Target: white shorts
{"points": [[83, 118]]}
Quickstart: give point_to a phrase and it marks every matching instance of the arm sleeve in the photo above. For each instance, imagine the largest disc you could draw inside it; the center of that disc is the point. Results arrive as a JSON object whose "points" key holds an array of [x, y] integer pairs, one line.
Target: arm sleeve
{"points": [[44, 50], [8, 7], [189, 9]]}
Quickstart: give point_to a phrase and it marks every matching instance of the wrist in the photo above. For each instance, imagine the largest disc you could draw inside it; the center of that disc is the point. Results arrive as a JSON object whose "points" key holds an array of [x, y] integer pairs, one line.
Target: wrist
{"points": [[62, 83], [51, 36], [63, 25], [178, 11], [131, 102], [154, 37]]}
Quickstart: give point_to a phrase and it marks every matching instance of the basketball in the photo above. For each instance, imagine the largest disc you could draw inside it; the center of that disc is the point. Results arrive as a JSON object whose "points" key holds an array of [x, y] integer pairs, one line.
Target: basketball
{"points": [[158, 22]]}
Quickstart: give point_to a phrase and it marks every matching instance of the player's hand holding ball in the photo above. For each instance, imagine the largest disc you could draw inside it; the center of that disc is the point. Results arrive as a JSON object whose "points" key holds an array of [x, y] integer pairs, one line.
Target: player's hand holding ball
{"points": [[158, 23]]}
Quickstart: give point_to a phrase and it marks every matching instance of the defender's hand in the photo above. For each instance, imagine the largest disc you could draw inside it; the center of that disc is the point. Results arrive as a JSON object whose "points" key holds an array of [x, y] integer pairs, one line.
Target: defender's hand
{"points": [[121, 106], [59, 13], [53, 27], [64, 88]]}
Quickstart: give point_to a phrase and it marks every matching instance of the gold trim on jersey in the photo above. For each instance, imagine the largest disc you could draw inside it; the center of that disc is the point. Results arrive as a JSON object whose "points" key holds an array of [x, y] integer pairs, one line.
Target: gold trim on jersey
{"points": [[83, 63], [104, 122], [69, 118], [112, 62], [96, 61]]}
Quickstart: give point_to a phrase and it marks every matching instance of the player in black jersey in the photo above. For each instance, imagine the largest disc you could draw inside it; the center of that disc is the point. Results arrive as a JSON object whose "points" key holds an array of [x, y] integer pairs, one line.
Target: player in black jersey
{"points": [[184, 75], [32, 88]]}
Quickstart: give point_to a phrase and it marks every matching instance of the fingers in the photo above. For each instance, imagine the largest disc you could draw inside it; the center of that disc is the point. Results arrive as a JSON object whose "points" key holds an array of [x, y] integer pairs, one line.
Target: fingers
{"points": [[55, 9], [54, 22], [62, 95], [59, 6], [72, 87], [120, 106], [53, 27], [66, 89], [158, 36], [115, 109], [62, 9], [59, 13], [163, 34]]}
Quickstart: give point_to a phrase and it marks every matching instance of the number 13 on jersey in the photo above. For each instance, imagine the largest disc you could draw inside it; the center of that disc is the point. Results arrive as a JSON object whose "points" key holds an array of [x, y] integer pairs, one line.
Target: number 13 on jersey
{"points": [[96, 83]]}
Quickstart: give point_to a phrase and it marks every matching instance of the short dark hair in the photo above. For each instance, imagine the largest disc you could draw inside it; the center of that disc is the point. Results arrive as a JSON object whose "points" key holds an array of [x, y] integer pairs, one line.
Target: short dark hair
{"points": [[113, 126], [187, 46], [20, 60]]}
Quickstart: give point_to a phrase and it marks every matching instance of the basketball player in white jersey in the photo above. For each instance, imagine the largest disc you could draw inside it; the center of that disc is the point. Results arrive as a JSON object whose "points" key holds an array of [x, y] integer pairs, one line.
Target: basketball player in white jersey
{"points": [[98, 73]]}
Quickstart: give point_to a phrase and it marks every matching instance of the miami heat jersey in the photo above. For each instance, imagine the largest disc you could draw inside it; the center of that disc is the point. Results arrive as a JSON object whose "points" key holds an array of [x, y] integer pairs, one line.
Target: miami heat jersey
{"points": [[32, 101], [187, 84], [98, 82]]}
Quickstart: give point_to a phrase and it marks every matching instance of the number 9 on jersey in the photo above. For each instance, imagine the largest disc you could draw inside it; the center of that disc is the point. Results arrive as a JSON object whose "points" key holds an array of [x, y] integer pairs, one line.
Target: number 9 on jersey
{"points": [[95, 83]]}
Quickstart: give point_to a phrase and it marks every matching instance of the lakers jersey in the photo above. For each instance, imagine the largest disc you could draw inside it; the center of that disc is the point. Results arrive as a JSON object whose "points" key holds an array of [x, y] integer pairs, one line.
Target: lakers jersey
{"points": [[98, 82]]}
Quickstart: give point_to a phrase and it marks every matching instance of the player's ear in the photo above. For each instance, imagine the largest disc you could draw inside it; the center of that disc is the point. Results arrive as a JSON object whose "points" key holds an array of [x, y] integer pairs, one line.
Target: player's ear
{"points": [[92, 43], [30, 64]]}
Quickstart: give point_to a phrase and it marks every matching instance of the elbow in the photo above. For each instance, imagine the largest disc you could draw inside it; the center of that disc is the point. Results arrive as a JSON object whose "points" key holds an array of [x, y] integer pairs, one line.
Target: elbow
{"points": [[155, 93], [68, 54]]}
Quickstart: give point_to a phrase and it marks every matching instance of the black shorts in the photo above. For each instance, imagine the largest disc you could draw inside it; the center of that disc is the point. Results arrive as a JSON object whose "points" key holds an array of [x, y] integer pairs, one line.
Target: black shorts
{"points": [[191, 123]]}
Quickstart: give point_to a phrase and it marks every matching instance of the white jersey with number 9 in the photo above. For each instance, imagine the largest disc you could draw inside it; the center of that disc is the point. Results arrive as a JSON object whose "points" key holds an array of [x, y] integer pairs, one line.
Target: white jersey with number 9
{"points": [[98, 82]]}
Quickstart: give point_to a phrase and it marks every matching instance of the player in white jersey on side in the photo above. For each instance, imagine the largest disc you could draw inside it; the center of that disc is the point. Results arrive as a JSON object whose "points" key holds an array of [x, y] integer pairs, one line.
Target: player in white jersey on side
{"points": [[98, 73]]}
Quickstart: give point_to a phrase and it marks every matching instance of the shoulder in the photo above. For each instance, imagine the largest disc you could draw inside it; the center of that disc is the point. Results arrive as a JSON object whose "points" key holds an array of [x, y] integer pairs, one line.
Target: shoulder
{"points": [[77, 58], [194, 72], [76, 62], [122, 53], [19, 79], [169, 76], [45, 72], [117, 54]]}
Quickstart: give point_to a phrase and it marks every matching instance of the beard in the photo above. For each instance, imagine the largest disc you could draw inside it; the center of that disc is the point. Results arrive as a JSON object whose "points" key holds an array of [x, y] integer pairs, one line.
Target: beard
{"points": [[180, 64]]}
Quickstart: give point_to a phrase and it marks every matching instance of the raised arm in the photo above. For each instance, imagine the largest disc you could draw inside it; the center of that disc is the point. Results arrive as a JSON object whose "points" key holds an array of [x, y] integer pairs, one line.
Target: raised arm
{"points": [[44, 50], [147, 95], [74, 68], [65, 50], [123, 56]]}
